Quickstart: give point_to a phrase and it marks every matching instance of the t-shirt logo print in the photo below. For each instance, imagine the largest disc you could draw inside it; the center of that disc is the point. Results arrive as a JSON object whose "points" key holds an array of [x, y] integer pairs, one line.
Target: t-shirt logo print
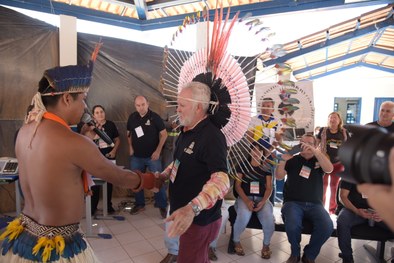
{"points": [[147, 123], [189, 149]]}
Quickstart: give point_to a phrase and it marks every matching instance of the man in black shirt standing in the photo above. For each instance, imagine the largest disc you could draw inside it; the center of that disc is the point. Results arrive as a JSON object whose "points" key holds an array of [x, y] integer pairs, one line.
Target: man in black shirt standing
{"points": [[146, 135], [198, 178]]}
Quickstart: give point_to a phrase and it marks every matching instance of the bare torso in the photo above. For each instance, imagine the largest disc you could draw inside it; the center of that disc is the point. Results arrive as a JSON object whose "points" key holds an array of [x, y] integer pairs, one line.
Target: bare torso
{"points": [[51, 182]]}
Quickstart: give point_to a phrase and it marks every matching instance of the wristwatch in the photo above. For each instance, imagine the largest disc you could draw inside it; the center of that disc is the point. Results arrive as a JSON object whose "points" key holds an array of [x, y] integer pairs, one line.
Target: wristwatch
{"points": [[196, 208]]}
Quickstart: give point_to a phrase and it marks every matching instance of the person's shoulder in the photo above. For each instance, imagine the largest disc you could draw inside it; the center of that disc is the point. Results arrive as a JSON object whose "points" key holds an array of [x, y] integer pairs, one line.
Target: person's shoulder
{"points": [[110, 122], [374, 123], [274, 118], [210, 130], [134, 118], [391, 127], [67, 138], [154, 115], [255, 120], [133, 115], [346, 185], [210, 125]]}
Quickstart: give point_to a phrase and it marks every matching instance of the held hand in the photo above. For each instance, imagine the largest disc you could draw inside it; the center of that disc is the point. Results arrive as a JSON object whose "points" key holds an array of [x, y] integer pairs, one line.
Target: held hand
{"points": [[259, 206], [182, 219], [155, 155], [377, 218], [159, 181], [306, 146], [250, 205], [364, 213], [146, 181], [149, 181], [111, 154]]}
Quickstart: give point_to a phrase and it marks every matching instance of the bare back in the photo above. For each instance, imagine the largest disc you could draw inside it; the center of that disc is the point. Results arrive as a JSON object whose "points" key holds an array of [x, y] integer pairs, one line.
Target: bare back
{"points": [[51, 183]]}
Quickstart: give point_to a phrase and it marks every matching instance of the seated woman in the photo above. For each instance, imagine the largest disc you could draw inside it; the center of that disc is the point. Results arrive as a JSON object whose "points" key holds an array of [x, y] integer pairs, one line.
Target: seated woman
{"points": [[254, 190]]}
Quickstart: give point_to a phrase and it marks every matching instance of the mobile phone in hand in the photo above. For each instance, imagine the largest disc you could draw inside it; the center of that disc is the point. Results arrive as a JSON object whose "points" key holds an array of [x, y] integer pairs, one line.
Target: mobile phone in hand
{"points": [[296, 149]]}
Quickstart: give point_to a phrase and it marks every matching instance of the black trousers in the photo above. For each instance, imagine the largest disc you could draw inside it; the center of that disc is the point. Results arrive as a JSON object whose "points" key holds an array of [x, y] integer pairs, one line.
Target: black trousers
{"points": [[96, 196]]}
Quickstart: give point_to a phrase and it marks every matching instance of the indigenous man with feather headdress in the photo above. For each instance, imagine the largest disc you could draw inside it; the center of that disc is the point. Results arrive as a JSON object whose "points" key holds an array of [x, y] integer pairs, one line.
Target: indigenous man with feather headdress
{"points": [[53, 166]]}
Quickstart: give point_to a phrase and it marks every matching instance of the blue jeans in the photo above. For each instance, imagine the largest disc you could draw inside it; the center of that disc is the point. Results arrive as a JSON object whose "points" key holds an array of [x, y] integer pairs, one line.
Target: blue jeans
{"points": [[141, 164], [345, 221], [265, 216], [293, 213]]}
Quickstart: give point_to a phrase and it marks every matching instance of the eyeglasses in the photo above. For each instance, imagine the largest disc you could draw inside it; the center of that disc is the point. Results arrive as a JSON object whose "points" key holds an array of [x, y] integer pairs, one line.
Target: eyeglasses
{"points": [[309, 143]]}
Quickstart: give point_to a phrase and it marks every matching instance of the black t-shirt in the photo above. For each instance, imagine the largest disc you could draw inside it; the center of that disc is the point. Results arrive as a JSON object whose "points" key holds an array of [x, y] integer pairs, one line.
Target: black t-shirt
{"points": [[388, 128], [253, 174], [149, 128], [333, 142], [298, 188], [110, 129], [198, 153], [354, 196]]}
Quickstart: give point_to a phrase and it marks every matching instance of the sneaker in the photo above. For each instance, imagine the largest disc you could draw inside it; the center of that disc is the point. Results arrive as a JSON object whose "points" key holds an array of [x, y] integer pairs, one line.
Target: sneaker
{"points": [[163, 212], [212, 254], [293, 259], [170, 258], [137, 209]]}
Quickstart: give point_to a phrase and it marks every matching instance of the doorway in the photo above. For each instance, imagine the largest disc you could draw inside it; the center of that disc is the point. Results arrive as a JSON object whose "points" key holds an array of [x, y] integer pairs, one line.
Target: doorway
{"points": [[349, 109]]}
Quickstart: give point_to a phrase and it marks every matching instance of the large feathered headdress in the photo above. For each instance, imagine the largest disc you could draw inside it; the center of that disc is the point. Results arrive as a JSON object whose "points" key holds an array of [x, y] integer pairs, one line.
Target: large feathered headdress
{"points": [[230, 77]]}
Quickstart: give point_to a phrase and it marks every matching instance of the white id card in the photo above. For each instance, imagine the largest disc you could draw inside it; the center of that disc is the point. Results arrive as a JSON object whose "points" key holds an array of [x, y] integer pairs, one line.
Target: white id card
{"points": [[139, 131]]}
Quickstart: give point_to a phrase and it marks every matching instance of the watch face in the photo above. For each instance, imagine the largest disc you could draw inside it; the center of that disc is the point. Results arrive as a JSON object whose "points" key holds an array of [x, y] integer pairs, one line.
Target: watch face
{"points": [[196, 209]]}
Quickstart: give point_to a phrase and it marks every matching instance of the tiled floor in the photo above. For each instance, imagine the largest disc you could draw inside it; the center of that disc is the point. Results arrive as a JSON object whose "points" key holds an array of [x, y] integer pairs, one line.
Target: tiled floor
{"points": [[139, 238]]}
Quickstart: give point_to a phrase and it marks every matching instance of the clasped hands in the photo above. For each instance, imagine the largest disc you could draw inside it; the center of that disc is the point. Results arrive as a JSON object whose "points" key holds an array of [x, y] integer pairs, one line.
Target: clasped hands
{"points": [[150, 181]]}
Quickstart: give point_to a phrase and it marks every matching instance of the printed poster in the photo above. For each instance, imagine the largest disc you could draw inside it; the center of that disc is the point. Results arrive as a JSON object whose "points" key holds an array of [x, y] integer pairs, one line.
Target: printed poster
{"points": [[293, 103]]}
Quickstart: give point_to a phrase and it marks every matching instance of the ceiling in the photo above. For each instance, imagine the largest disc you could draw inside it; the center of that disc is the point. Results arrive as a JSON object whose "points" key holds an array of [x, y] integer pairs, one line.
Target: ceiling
{"points": [[367, 40], [154, 14]]}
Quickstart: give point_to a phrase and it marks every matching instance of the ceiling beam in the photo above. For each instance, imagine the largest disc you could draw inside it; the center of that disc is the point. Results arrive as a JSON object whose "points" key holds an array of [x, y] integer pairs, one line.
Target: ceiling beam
{"points": [[119, 2], [344, 57], [257, 9], [355, 65], [142, 9], [351, 35], [165, 4]]}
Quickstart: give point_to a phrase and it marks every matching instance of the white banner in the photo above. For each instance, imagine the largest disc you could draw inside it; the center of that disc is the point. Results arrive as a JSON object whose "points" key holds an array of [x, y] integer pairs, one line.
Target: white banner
{"points": [[293, 104]]}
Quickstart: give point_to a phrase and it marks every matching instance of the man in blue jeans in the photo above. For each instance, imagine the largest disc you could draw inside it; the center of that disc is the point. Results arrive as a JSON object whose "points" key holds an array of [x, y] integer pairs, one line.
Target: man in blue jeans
{"points": [[146, 135], [303, 193]]}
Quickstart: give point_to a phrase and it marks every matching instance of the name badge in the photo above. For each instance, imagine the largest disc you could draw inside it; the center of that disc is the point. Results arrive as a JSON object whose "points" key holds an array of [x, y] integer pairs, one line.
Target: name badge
{"points": [[174, 170], [305, 171], [333, 145], [254, 187], [139, 131]]}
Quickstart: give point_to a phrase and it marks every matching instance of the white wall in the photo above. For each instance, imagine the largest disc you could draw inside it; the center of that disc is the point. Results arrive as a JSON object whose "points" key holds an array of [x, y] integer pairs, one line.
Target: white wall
{"points": [[358, 82]]}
